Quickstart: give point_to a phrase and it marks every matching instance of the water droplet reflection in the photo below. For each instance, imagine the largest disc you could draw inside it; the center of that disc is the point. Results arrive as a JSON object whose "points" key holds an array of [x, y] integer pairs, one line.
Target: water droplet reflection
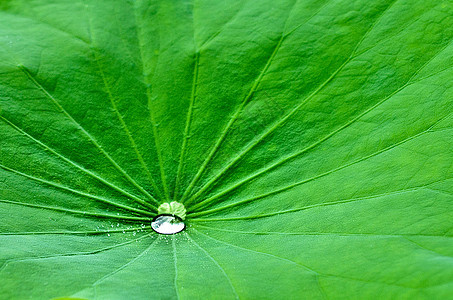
{"points": [[167, 224]]}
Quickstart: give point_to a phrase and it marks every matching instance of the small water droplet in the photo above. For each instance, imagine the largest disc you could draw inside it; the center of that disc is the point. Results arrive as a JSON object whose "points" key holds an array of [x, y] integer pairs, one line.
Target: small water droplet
{"points": [[167, 224], [108, 234]]}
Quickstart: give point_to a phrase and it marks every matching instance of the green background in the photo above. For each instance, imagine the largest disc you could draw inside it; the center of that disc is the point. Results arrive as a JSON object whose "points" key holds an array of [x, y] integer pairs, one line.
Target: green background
{"points": [[310, 141]]}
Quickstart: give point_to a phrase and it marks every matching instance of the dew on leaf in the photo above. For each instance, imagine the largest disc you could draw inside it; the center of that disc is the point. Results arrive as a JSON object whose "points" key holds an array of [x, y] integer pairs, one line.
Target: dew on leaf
{"points": [[167, 224]]}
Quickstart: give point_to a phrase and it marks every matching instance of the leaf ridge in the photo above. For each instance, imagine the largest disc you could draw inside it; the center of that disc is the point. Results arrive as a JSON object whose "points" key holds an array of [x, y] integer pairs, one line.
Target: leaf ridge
{"points": [[97, 251], [258, 252], [315, 273], [344, 201], [83, 194], [216, 263], [128, 133], [237, 112], [128, 263], [304, 267], [281, 121], [90, 137], [52, 26], [295, 155], [409, 82], [92, 174], [187, 127], [149, 97], [76, 212], [332, 170], [213, 36], [337, 234], [427, 250], [175, 263], [86, 232]]}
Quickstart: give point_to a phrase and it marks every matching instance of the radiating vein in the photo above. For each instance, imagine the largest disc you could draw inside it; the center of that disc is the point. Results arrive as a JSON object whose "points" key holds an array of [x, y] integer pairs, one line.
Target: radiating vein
{"points": [[76, 212], [216, 263], [234, 117], [93, 252], [123, 123], [74, 164], [90, 137], [283, 120], [426, 249], [280, 190], [128, 263], [128, 133], [213, 36], [47, 24], [175, 263], [187, 127], [408, 83], [304, 267], [329, 234], [193, 95], [318, 274], [344, 201], [85, 232], [150, 98], [257, 252], [77, 192], [324, 274]]}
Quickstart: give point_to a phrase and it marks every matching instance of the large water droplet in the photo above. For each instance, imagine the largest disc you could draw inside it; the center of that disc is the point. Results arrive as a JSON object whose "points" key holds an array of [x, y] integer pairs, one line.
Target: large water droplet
{"points": [[167, 224]]}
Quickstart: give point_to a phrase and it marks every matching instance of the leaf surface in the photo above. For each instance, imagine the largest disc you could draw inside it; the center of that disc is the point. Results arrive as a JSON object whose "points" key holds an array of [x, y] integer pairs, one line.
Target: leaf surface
{"points": [[310, 141]]}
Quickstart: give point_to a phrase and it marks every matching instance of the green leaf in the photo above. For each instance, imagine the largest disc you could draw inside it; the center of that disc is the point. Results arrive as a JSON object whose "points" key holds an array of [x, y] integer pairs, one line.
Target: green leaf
{"points": [[310, 142]]}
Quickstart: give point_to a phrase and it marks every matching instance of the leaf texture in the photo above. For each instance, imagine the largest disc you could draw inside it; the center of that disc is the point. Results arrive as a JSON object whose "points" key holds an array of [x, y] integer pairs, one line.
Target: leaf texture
{"points": [[310, 141]]}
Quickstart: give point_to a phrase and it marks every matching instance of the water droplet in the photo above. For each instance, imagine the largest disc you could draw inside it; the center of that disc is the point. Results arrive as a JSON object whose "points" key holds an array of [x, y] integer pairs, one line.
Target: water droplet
{"points": [[167, 224], [108, 234]]}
